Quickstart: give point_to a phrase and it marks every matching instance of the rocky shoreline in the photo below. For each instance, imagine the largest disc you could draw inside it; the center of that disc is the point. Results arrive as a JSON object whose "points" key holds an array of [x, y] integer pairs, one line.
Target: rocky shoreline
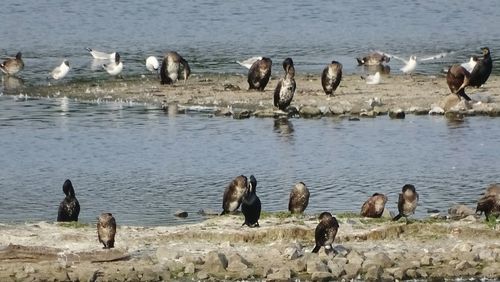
{"points": [[219, 248], [226, 94]]}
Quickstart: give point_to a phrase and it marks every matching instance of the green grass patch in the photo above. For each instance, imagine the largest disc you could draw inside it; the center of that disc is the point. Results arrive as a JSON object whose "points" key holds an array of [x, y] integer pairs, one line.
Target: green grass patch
{"points": [[491, 221], [279, 214]]}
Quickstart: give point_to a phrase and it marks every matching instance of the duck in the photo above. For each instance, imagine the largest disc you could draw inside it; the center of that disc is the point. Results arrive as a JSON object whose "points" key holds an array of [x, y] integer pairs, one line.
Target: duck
{"points": [[233, 194], [482, 70], [251, 205], [259, 74], [331, 77], [299, 198], [171, 68], [373, 59], [374, 206], [115, 67], [325, 232], [407, 202], [285, 89], [106, 230], [12, 66], [60, 71], [457, 79], [489, 203], [69, 208]]}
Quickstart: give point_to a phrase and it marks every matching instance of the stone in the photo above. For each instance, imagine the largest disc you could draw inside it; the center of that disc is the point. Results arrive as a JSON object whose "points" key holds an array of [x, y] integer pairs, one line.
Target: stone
{"points": [[316, 266], [298, 265], [411, 273], [292, 253], [355, 258], [281, 274], [397, 114], [416, 110], [175, 266], [436, 111], [181, 213], [421, 273], [164, 253], [236, 263], [373, 273], [189, 268], [487, 256], [215, 262], [309, 112], [462, 247], [244, 114], [321, 276], [491, 271], [426, 260], [202, 275], [341, 251], [463, 265], [226, 112], [368, 114]]}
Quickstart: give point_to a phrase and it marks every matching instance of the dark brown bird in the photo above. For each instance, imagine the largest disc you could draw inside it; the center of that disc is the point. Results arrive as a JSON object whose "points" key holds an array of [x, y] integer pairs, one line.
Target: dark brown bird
{"points": [[373, 59], [12, 66], [457, 79], [299, 198], [106, 230], [171, 68], [233, 194], [331, 77], [250, 204], [69, 208], [325, 232], [285, 89], [489, 203], [482, 70], [259, 74], [407, 202], [374, 206]]}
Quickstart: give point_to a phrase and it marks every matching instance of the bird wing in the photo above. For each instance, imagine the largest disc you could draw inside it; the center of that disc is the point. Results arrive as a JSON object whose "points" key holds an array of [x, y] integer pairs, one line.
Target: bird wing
{"points": [[392, 56], [249, 62], [100, 55], [435, 57]]}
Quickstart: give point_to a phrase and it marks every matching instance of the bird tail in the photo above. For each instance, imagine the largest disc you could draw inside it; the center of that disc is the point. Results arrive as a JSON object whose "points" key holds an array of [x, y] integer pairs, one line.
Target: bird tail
{"points": [[397, 217], [462, 93], [316, 249]]}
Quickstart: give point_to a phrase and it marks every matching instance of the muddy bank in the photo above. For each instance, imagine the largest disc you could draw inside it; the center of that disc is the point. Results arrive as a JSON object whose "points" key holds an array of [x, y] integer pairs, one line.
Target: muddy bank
{"points": [[227, 94], [280, 250]]}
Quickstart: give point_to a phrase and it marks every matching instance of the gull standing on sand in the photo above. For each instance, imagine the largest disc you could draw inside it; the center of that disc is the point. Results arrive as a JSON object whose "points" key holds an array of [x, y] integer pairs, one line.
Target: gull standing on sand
{"points": [[98, 55], [60, 71], [152, 64], [12, 66], [115, 67]]}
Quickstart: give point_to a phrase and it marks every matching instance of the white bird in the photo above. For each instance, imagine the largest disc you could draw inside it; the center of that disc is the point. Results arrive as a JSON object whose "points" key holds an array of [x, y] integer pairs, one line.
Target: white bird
{"points": [[469, 66], [152, 64], [101, 55], [372, 79], [114, 67], [249, 62], [411, 64], [60, 71]]}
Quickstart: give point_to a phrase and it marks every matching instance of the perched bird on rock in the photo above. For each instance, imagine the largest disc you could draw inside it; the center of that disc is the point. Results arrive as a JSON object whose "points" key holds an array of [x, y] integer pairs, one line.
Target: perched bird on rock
{"points": [[374, 206], [407, 202], [325, 232], [12, 66], [299, 198], [331, 77], [233, 194], [457, 79], [171, 68], [250, 204], [489, 203], [259, 74], [69, 208], [106, 230], [285, 89]]}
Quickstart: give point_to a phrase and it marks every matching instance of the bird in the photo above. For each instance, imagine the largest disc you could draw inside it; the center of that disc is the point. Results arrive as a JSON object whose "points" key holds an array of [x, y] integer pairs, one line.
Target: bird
{"points": [[489, 203], [12, 66], [331, 77], [285, 89], [469, 66], [373, 59], [407, 202], [325, 232], [106, 230], [299, 198], [374, 206], [152, 64], [259, 74], [250, 204], [410, 65], [115, 67], [249, 62], [171, 68], [233, 194], [457, 79], [101, 55], [60, 71], [69, 208], [482, 70], [372, 79]]}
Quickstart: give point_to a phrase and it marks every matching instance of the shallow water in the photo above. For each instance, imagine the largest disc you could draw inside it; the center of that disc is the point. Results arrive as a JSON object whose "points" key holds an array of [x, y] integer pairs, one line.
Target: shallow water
{"points": [[212, 35], [142, 164]]}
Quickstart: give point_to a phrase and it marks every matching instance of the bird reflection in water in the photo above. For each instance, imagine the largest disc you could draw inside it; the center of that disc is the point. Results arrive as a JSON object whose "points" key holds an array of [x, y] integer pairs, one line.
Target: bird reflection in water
{"points": [[284, 128], [383, 69], [12, 85]]}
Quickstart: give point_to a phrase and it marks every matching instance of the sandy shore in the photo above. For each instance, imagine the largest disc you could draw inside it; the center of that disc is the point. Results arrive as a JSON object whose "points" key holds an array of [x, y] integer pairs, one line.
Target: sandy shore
{"points": [[280, 250], [228, 93]]}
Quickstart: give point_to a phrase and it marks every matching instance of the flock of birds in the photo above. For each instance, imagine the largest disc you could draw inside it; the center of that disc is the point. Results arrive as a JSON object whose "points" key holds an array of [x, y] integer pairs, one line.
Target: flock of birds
{"points": [[473, 73], [242, 191]]}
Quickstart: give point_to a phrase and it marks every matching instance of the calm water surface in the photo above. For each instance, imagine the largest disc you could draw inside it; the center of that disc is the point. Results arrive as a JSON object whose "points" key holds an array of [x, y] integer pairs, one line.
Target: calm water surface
{"points": [[143, 164], [211, 35]]}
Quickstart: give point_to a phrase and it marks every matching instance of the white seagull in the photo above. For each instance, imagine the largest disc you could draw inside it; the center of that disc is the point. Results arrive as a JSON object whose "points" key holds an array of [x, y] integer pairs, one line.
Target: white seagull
{"points": [[469, 66], [152, 64], [249, 62], [101, 55], [372, 79], [411, 64], [60, 71], [114, 67]]}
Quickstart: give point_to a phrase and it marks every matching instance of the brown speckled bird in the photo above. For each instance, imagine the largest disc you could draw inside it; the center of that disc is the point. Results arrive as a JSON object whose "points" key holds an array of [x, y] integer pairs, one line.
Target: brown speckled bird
{"points": [[325, 232], [331, 77], [299, 198], [171, 68], [106, 230], [489, 203], [374, 206], [259, 74], [457, 79], [233, 194], [407, 202], [12, 66]]}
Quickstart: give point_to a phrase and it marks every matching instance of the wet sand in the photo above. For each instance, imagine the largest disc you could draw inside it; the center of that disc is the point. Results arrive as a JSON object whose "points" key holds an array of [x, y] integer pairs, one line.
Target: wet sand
{"points": [[228, 93]]}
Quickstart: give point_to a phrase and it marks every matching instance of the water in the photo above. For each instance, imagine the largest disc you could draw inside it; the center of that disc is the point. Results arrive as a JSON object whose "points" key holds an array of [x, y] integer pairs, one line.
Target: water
{"points": [[211, 35], [143, 164]]}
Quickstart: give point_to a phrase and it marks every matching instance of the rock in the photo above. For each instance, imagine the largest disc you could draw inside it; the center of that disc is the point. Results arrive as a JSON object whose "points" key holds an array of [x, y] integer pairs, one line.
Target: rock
{"points": [[231, 87], [189, 269], [340, 251], [208, 212], [337, 109], [316, 266], [397, 114], [487, 256], [368, 114], [309, 112], [174, 266], [202, 275], [379, 258], [373, 273], [236, 263], [226, 112], [380, 110], [292, 253], [462, 247], [244, 114], [281, 274], [436, 111], [165, 253], [491, 271], [29, 269], [321, 276], [215, 262], [463, 265], [355, 260], [426, 260], [374, 102], [181, 213], [267, 113], [399, 274], [411, 273], [418, 110]]}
